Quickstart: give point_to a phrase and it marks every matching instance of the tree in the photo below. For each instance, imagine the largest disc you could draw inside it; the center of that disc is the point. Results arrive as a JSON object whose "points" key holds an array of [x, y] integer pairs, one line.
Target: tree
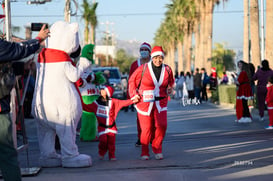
{"points": [[222, 58], [124, 60], [269, 31], [254, 33], [90, 19], [246, 31]]}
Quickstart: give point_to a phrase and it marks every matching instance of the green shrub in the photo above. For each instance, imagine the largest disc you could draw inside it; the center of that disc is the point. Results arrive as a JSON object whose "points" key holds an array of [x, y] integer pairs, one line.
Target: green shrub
{"points": [[227, 94]]}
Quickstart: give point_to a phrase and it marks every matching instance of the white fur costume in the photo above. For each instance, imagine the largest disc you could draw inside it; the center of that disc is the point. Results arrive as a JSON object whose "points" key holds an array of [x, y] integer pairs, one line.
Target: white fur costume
{"points": [[56, 102]]}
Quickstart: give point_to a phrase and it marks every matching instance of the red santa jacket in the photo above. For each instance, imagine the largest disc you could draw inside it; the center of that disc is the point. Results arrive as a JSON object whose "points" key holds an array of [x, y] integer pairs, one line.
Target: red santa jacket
{"points": [[244, 90], [106, 115], [150, 90], [269, 97]]}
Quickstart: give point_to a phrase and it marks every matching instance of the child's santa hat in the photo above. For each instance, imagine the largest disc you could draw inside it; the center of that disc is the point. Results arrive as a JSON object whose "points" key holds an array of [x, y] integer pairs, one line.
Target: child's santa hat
{"points": [[145, 45], [157, 50], [213, 69], [109, 90]]}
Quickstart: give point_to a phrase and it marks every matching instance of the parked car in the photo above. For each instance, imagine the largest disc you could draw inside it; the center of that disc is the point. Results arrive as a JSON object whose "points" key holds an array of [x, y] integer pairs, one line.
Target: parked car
{"points": [[114, 79]]}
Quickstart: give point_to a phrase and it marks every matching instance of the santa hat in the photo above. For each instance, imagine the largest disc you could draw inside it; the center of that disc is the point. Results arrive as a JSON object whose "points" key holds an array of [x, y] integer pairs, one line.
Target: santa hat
{"points": [[145, 45], [157, 50], [213, 69], [109, 90]]}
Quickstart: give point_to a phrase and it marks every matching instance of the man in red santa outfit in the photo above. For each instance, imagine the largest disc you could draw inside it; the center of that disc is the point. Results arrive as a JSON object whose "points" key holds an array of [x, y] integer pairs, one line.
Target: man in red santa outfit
{"points": [[152, 81], [145, 51]]}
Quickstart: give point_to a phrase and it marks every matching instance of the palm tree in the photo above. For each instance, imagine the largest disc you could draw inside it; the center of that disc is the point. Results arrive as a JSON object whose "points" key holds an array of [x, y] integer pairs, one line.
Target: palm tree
{"points": [[90, 18], [254, 33], [246, 31], [269, 31]]}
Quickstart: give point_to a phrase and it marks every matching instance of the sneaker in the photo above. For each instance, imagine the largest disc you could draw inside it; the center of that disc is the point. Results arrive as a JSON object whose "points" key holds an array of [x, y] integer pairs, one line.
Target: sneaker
{"points": [[138, 144], [159, 156], [242, 120], [248, 120], [144, 157], [269, 127], [113, 159], [261, 119]]}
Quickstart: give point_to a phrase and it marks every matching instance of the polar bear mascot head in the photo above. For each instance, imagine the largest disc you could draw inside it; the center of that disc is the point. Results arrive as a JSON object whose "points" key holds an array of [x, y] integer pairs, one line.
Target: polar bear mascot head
{"points": [[57, 104]]}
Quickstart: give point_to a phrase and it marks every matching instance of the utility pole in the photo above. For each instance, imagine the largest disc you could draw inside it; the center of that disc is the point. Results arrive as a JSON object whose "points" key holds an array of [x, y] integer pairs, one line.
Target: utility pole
{"points": [[107, 23], [67, 11], [7, 20]]}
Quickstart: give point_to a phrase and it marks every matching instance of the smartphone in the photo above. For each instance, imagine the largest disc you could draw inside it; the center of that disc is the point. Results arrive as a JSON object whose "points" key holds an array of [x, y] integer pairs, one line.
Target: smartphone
{"points": [[37, 26]]}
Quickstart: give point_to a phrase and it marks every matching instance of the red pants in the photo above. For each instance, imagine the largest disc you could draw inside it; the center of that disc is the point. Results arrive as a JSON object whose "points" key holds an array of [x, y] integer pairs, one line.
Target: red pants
{"points": [[153, 128], [270, 114], [107, 142]]}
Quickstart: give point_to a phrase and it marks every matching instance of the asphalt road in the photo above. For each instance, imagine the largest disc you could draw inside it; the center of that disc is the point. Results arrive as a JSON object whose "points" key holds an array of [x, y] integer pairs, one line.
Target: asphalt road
{"points": [[202, 143]]}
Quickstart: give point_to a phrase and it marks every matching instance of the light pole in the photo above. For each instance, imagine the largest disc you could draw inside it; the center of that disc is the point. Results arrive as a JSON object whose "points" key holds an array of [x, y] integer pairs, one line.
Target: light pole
{"points": [[7, 20], [262, 29]]}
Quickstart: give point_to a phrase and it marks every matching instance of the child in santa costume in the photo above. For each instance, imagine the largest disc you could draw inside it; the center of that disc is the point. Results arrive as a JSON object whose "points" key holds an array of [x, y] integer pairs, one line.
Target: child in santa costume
{"points": [[89, 87], [106, 110], [145, 51], [244, 93], [153, 82], [269, 102]]}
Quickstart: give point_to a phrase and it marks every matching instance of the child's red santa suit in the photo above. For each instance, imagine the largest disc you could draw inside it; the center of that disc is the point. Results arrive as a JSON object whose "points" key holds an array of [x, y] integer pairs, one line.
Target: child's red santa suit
{"points": [[152, 108], [106, 116], [269, 102]]}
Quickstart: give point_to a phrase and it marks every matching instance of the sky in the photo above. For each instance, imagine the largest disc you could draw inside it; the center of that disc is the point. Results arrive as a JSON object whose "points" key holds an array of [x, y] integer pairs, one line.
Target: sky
{"points": [[130, 19]]}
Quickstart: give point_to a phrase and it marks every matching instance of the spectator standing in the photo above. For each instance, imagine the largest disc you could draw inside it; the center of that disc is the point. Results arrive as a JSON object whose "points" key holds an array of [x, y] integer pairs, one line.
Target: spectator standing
{"points": [[10, 51], [213, 79], [189, 85], [224, 79], [145, 51], [197, 84], [179, 85], [243, 94], [262, 76], [204, 82]]}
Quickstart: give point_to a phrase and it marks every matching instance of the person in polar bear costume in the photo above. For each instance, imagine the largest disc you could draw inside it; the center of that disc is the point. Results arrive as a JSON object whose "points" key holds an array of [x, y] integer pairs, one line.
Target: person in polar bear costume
{"points": [[57, 104]]}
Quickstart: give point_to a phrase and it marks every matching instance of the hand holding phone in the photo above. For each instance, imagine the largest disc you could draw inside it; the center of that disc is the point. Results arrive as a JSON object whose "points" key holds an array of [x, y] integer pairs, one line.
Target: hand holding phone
{"points": [[38, 26], [44, 32]]}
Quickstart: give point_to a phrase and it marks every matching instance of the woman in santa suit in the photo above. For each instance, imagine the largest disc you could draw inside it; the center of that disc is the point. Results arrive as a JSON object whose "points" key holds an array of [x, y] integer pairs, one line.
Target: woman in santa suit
{"points": [[152, 81], [244, 93]]}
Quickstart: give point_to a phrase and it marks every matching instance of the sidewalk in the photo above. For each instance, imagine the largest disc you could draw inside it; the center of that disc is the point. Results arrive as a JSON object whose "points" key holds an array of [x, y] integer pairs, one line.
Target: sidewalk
{"points": [[202, 143]]}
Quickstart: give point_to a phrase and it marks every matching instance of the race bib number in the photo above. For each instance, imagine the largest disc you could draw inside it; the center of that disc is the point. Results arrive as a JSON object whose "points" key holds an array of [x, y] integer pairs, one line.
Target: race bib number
{"points": [[148, 96], [102, 112]]}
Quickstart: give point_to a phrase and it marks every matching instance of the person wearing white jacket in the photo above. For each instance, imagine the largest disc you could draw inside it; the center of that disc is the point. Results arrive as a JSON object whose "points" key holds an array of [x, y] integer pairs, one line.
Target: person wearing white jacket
{"points": [[190, 85]]}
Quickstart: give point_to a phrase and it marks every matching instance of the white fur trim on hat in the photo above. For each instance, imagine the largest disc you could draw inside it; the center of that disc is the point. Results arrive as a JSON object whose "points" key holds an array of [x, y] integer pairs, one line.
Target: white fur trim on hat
{"points": [[157, 53]]}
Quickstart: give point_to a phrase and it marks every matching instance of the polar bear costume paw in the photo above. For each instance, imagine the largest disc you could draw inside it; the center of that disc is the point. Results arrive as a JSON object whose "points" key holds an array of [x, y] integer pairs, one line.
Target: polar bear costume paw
{"points": [[77, 161]]}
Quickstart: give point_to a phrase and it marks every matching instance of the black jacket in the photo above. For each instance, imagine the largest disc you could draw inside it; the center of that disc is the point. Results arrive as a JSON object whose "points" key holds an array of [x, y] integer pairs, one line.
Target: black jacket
{"points": [[10, 51]]}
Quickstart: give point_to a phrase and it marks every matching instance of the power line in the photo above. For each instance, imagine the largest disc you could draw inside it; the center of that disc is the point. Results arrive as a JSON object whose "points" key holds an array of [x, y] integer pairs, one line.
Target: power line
{"points": [[126, 14]]}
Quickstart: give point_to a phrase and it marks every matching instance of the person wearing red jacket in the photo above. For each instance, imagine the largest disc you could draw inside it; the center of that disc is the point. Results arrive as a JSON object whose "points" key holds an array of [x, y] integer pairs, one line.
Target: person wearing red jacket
{"points": [[106, 110], [269, 102], [243, 94], [145, 51], [153, 82]]}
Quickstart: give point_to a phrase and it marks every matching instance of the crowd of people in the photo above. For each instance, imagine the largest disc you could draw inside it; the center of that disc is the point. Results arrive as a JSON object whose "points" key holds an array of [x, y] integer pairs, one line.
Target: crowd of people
{"points": [[195, 84]]}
